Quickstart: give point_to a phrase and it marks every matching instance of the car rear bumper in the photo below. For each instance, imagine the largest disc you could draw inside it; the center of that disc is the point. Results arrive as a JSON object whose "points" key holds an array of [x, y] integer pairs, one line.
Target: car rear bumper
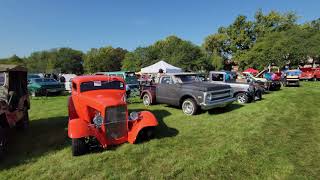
{"points": [[220, 103]]}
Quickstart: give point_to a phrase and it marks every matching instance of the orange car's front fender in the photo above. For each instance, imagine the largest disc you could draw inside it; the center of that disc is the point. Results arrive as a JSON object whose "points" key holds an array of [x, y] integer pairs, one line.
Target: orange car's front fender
{"points": [[78, 128], [147, 119]]}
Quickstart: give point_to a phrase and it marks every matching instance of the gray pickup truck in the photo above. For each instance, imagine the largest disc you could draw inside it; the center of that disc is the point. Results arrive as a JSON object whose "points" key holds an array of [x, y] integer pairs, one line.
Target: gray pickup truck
{"points": [[187, 91], [244, 92]]}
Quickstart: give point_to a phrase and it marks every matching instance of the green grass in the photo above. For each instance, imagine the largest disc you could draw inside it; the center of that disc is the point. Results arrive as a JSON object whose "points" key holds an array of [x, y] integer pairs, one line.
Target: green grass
{"points": [[276, 138]]}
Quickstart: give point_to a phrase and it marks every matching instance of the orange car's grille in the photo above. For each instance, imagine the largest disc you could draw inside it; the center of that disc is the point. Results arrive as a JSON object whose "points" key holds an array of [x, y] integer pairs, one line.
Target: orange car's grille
{"points": [[115, 122]]}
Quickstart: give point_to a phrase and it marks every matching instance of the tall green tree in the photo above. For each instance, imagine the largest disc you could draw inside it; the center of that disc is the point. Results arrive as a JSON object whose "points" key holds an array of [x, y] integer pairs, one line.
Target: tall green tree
{"points": [[172, 49], [104, 59]]}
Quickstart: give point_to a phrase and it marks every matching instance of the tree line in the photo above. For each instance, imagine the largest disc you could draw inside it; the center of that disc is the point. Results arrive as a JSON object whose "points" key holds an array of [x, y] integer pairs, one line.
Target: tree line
{"points": [[268, 38]]}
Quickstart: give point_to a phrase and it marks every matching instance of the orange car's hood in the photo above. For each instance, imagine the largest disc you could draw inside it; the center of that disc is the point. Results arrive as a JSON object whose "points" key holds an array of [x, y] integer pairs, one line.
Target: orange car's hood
{"points": [[103, 98]]}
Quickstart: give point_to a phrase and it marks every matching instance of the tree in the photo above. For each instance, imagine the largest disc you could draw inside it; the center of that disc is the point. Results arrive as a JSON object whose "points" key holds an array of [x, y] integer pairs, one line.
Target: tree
{"points": [[283, 47], [104, 59], [172, 49], [64, 60], [235, 40]]}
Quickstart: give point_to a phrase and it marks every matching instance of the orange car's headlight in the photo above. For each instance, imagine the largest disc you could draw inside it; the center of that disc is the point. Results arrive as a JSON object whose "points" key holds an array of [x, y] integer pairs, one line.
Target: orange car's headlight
{"points": [[98, 120]]}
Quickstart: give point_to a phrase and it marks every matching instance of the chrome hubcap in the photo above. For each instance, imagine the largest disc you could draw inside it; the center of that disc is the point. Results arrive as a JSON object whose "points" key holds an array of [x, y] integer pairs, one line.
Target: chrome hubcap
{"points": [[241, 99], [187, 107], [146, 100]]}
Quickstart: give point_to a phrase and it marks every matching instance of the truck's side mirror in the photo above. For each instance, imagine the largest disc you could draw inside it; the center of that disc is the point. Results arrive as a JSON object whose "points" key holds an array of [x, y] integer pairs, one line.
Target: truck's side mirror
{"points": [[11, 93]]}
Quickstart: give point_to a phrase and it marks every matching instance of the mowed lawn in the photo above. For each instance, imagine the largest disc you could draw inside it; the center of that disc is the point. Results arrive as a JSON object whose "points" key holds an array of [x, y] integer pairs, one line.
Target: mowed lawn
{"points": [[277, 138]]}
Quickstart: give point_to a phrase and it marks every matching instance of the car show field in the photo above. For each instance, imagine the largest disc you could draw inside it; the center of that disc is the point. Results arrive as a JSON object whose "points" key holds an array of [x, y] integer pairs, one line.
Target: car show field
{"points": [[277, 137]]}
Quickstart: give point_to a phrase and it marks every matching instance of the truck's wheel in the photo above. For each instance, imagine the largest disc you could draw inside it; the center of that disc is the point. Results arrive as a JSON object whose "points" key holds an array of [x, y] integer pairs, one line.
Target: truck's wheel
{"points": [[79, 147], [242, 98], [189, 107], [23, 124], [3, 142], [146, 99], [258, 95]]}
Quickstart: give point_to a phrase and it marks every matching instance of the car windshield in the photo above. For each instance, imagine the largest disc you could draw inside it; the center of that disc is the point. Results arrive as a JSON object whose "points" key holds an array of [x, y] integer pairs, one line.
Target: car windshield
{"points": [[131, 78], [32, 76], [40, 80], [293, 73], [100, 85], [2, 79], [187, 78]]}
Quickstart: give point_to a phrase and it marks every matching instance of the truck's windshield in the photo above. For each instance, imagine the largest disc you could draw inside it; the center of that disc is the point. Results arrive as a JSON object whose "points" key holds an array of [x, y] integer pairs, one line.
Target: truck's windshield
{"points": [[187, 78], [99, 85], [2, 79]]}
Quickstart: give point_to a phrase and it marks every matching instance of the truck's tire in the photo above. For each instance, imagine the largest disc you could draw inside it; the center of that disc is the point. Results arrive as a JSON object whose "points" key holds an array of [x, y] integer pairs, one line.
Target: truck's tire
{"points": [[258, 95], [79, 146], [23, 124], [3, 142], [242, 98], [189, 106], [146, 99]]}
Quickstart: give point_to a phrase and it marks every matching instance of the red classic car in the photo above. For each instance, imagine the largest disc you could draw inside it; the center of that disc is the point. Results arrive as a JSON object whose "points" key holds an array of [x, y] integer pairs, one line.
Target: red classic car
{"points": [[98, 115], [310, 74]]}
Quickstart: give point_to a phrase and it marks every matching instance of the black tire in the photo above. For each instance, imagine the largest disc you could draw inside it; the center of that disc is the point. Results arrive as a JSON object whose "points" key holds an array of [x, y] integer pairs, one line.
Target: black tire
{"points": [[145, 134], [189, 106], [314, 79], [79, 147], [242, 98], [34, 94], [3, 142], [146, 99], [23, 124], [259, 95]]}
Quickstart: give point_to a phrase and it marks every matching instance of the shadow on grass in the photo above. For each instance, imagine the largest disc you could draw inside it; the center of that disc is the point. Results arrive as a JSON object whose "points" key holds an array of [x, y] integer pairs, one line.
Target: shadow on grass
{"points": [[162, 130], [42, 137], [226, 109]]}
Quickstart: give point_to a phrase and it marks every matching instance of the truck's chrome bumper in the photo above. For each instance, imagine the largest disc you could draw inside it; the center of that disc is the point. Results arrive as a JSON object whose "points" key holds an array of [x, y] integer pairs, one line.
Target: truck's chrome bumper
{"points": [[219, 103]]}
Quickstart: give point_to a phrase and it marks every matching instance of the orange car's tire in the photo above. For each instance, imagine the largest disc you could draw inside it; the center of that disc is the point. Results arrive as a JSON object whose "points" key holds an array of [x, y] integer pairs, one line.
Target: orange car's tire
{"points": [[145, 134], [79, 146]]}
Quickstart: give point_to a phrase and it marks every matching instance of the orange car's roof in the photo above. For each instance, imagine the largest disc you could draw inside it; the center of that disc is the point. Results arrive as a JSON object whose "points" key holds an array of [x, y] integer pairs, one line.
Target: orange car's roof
{"points": [[86, 78]]}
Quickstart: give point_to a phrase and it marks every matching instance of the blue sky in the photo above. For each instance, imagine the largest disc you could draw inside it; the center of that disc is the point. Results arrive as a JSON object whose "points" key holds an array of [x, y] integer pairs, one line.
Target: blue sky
{"points": [[33, 25]]}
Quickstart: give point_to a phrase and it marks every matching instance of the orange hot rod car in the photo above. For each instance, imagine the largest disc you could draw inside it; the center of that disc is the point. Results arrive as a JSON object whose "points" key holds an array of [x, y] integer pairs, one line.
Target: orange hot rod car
{"points": [[98, 115]]}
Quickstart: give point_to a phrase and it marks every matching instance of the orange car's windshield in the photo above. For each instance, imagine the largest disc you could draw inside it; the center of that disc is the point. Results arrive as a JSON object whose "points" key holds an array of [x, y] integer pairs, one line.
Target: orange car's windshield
{"points": [[98, 85]]}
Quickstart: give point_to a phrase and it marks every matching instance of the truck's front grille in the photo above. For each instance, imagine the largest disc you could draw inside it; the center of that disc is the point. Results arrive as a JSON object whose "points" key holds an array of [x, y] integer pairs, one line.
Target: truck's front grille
{"points": [[115, 122]]}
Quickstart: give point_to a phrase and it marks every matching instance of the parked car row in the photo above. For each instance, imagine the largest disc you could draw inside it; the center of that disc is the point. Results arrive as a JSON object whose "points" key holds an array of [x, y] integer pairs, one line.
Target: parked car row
{"points": [[97, 107]]}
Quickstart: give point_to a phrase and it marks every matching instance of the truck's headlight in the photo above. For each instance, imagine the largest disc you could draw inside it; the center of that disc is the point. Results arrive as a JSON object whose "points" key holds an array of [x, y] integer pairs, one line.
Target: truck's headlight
{"points": [[209, 97], [134, 116], [98, 120]]}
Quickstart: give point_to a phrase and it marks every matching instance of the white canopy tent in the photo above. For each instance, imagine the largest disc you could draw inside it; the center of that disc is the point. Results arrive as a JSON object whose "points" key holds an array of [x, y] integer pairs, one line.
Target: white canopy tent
{"points": [[167, 68]]}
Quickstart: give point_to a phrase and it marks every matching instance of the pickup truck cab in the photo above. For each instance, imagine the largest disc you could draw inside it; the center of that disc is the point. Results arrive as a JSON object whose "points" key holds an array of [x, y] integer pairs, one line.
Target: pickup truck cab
{"points": [[244, 92], [187, 91]]}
